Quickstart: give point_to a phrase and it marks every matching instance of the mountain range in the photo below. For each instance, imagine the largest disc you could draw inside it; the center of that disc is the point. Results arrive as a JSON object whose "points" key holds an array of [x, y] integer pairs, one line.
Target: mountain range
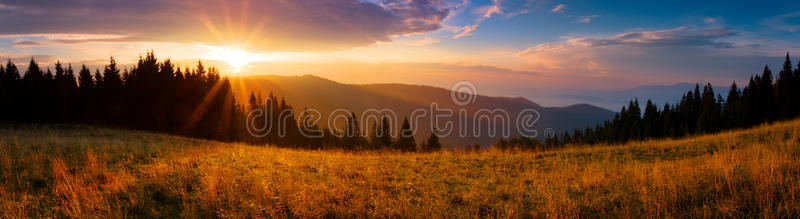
{"points": [[326, 96]]}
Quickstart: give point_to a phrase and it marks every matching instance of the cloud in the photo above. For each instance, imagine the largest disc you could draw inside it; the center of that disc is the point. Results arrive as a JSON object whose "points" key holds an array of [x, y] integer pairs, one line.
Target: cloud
{"points": [[417, 40], [489, 10], [426, 41], [480, 13], [681, 36], [660, 55], [559, 8], [289, 25], [466, 31], [712, 20], [26, 40], [586, 19], [783, 22], [22, 60], [7, 7]]}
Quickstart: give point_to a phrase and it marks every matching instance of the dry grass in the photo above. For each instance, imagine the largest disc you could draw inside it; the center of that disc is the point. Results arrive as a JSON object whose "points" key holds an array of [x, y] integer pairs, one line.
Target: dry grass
{"points": [[79, 171]]}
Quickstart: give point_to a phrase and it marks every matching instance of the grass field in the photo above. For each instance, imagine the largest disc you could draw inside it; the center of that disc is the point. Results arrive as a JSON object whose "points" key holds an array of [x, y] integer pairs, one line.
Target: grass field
{"points": [[82, 171]]}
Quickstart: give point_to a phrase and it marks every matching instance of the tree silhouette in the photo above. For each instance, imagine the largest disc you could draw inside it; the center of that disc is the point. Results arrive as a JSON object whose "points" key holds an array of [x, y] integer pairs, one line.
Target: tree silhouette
{"points": [[433, 143], [762, 100], [198, 102], [405, 141]]}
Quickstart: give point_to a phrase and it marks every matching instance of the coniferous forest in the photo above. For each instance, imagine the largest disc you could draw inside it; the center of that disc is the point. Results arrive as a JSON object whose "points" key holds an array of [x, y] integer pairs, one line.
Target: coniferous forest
{"points": [[198, 102], [151, 95], [765, 98], [158, 96]]}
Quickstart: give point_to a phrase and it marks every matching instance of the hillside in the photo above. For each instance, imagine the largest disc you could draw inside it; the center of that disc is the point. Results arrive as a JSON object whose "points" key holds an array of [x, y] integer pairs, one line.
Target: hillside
{"points": [[326, 96], [82, 171]]}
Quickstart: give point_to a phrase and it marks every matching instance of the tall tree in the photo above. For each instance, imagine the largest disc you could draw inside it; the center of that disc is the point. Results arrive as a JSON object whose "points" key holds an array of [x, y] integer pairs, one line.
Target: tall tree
{"points": [[405, 141], [385, 137], [783, 87], [651, 120], [85, 80], [34, 75], [98, 79], [709, 111], [766, 91], [112, 81], [10, 91], [433, 143], [732, 110]]}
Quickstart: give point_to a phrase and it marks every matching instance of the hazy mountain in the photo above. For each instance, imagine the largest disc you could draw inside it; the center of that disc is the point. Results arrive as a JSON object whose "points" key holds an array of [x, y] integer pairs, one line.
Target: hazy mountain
{"points": [[326, 96], [615, 99]]}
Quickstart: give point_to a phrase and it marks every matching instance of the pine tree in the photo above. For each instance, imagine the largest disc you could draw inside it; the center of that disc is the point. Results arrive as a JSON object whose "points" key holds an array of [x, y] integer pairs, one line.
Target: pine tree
{"points": [[34, 75], [766, 93], [85, 80], [708, 112], [386, 134], [784, 89], [433, 143], [10, 93], [374, 139], [69, 79], [98, 79], [11, 76], [651, 120], [405, 141], [353, 138], [112, 81], [733, 108]]}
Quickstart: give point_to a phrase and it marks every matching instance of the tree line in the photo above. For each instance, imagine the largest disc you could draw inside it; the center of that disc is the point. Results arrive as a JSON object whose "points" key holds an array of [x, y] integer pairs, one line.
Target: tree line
{"points": [[158, 96], [765, 98], [287, 131]]}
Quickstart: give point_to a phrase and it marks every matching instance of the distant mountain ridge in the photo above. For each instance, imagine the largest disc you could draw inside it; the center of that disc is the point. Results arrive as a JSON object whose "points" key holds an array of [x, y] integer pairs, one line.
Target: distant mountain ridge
{"points": [[616, 99], [325, 95]]}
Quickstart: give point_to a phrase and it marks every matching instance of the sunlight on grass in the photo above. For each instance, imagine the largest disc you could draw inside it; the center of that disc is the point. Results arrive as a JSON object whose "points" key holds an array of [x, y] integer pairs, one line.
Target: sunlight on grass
{"points": [[81, 171]]}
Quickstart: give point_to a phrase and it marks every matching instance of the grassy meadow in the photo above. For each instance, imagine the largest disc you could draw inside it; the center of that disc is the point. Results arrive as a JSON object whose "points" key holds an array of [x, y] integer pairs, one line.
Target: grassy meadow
{"points": [[84, 171]]}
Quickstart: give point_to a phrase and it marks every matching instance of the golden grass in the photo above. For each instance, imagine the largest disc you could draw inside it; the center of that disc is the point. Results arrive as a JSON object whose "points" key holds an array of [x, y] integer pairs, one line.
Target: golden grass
{"points": [[81, 171]]}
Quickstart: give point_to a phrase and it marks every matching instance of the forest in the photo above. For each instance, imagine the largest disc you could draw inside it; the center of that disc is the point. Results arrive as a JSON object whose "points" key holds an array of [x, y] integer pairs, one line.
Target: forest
{"points": [[158, 96], [197, 102], [765, 98]]}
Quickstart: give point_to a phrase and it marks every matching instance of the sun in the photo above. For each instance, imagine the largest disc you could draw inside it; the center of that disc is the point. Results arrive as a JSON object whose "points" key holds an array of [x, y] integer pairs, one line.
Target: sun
{"points": [[236, 58]]}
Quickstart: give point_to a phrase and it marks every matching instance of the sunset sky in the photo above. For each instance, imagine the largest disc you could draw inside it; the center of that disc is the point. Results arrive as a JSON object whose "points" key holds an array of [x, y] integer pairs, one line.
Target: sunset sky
{"points": [[535, 49]]}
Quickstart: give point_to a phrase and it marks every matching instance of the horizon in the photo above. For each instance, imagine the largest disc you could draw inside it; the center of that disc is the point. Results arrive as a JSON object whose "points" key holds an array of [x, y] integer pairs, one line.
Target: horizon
{"points": [[670, 97], [550, 52], [399, 109]]}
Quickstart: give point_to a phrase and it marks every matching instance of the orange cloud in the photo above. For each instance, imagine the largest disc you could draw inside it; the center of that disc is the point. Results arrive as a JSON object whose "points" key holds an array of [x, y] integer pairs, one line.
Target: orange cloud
{"points": [[466, 31], [288, 25], [559, 8]]}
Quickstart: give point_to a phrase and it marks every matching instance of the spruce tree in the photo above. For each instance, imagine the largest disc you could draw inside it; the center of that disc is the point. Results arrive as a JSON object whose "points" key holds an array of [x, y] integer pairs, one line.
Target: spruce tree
{"points": [[784, 89], [732, 110], [10, 91], [112, 81], [12, 74], [85, 80], [405, 141], [98, 79], [34, 75], [433, 143], [386, 134], [766, 93], [374, 139]]}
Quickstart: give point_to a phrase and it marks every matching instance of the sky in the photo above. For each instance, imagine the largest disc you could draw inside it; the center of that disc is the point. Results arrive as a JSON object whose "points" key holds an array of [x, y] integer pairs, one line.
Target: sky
{"points": [[547, 51]]}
